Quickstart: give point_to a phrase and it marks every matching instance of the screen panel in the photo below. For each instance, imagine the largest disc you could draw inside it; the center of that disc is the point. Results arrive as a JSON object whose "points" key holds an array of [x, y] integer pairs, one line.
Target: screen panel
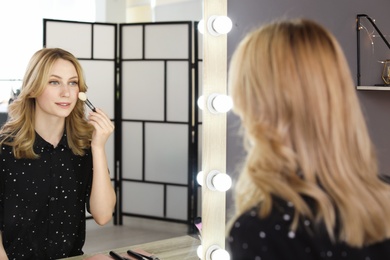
{"points": [[100, 79], [166, 153], [166, 41], [156, 91], [132, 136], [71, 36], [143, 90], [177, 202], [104, 41], [143, 198], [132, 40], [177, 91]]}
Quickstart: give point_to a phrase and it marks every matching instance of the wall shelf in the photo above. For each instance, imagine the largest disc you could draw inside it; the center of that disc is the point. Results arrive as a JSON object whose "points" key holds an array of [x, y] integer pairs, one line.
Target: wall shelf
{"points": [[373, 88], [358, 28]]}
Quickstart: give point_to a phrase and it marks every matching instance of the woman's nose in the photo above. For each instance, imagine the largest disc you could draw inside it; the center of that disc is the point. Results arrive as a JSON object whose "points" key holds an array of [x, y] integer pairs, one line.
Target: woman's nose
{"points": [[65, 90]]}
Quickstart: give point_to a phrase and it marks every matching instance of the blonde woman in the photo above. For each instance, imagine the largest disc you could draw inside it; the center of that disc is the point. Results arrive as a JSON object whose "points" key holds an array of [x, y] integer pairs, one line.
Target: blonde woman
{"points": [[52, 163], [309, 187]]}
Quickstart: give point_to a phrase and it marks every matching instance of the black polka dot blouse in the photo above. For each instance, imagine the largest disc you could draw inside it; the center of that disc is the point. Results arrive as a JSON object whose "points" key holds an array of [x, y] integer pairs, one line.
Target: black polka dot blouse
{"points": [[43, 201], [252, 238]]}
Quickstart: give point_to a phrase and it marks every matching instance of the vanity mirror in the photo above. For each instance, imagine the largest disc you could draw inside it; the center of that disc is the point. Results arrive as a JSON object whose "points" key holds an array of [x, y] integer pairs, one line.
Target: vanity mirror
{"points": [[214, 75]]}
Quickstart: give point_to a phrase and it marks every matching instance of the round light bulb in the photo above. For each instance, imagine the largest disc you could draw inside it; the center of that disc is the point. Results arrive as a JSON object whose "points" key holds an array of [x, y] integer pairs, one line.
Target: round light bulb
{"points": [[222, 103], [218, 181], [222, 182], [220, 254], [199, 178], [218, 103], [215, 252], [222, 24]]}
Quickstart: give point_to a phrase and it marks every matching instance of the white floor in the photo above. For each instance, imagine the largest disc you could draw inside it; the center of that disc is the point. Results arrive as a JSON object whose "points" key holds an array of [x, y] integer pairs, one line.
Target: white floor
{"points": [[134, 231]]}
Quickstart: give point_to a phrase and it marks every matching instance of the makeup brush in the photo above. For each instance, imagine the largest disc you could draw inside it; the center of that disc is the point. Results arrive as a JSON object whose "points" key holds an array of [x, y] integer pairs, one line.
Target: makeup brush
{"points": [[83, 97]]}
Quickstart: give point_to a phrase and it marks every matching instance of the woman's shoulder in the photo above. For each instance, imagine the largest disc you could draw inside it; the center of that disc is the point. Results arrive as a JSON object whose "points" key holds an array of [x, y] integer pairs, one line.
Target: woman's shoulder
{"points": [[279, 219], [272, 237], [269, 237]]}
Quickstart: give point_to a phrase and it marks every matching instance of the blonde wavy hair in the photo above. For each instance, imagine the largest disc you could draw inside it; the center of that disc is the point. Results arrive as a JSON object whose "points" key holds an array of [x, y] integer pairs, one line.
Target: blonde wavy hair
{"points": [[304, 132], [19, 132]]}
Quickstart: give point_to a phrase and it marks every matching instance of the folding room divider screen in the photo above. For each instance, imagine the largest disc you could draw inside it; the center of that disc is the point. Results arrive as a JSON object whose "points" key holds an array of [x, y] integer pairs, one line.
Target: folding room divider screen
{"points": [[145, 77]]}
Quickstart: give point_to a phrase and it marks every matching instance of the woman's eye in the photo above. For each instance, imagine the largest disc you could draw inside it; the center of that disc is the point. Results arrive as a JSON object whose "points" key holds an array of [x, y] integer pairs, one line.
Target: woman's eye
{"points": [[54, 82], [74, 83]]}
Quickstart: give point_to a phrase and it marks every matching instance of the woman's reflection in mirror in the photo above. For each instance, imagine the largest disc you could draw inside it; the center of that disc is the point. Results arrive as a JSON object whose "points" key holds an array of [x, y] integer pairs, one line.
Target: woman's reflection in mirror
{"points": [[52, 163]]}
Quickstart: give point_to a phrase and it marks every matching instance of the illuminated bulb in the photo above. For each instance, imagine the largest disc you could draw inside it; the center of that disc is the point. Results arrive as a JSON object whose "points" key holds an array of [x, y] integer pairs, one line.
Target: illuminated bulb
{"points": [[200, 102], [199, 252], [218, 25], [218, 181], [201, 26], [220, 254], [199, 178], [216, 253], [218, 103]]}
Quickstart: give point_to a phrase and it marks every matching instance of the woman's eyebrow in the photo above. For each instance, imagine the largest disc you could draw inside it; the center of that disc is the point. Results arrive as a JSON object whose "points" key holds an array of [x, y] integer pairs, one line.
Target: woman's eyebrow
{"points": [[56, 76]]}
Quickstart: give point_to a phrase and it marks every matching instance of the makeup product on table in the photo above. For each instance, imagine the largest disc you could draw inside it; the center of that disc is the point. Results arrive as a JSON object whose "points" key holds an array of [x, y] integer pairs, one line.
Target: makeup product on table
{"points": [[117, 257], [140, 256], [83, 97]]}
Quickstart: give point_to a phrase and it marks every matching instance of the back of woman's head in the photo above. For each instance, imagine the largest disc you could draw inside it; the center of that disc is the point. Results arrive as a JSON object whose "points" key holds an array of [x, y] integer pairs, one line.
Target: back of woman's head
{"points": [[290, 70], [291, 85]]}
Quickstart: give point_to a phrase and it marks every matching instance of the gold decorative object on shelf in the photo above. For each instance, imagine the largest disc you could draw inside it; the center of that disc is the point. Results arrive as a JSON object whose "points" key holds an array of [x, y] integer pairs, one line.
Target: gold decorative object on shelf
{"points": [[386, 72]]}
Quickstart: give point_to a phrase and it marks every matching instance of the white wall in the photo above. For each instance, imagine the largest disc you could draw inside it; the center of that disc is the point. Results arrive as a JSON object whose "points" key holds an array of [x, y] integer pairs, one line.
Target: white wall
{"points": [[188, 10], [22, 25]]}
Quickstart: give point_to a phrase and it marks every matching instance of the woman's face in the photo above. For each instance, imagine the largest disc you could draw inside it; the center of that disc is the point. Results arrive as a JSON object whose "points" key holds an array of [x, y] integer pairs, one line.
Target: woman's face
{"points": [[61, 92]]}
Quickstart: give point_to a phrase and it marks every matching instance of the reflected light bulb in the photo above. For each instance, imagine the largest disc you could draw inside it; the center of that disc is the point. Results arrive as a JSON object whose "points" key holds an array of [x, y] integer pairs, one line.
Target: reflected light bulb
{"points": [[199, 178], [201, 26], [199, 252], [200, 102]]}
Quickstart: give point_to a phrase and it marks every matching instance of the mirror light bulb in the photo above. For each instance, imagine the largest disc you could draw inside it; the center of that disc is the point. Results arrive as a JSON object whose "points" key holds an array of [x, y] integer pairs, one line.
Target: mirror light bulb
{"points": [[220, 254], [222, 182], [215, 252], [219, 103], [218, 25], [218, 181], [222, 24], [222, 103]]}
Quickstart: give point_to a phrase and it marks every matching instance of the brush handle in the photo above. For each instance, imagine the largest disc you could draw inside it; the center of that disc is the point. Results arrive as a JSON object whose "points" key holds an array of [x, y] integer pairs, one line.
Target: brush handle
{"points": [[89, 104]]}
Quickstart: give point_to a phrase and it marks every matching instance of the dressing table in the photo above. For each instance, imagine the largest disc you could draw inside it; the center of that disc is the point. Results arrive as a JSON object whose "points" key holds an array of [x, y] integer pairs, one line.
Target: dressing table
{"points": [[177, 248]]}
